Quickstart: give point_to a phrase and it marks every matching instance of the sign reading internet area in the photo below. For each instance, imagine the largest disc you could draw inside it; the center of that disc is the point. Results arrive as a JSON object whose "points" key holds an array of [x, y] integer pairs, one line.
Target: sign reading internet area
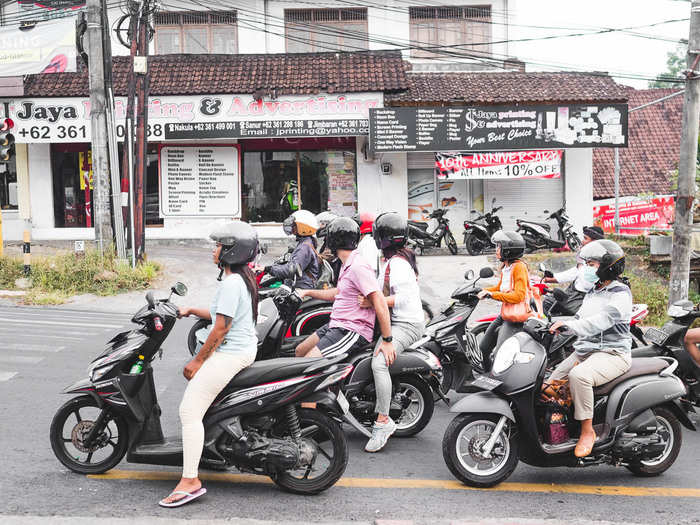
{"points": [[199, 181], [502, 128]]}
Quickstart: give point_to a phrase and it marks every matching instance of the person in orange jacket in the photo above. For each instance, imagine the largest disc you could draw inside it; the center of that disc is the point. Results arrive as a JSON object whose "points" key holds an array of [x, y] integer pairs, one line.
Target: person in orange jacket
{"points": [[511, 288]]}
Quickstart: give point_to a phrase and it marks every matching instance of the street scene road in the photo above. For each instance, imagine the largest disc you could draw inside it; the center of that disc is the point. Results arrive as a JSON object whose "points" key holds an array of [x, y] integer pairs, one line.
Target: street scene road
{"points": [[46, 349]]}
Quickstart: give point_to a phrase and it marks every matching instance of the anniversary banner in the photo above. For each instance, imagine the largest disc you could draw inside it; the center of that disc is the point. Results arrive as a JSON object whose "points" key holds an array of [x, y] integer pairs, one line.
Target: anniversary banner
{"points": [[540, 164], [502, 128]]}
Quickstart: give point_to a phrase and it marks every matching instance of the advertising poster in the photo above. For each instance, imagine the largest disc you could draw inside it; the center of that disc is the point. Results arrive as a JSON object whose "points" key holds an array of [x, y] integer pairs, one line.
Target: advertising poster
{"points": [[638, 215], [544, 164], [48, 47], [342, 187]]}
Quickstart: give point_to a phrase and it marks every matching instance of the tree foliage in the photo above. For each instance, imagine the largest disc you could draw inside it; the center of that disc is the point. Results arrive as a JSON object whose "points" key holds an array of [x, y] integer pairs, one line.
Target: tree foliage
{"points": [[675, 64]]}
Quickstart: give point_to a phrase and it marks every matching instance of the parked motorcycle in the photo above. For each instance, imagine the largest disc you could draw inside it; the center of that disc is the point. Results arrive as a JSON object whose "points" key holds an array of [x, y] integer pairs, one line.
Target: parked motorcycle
{"points": [[415, 373], [255, 423], [638, 416], [419, 236], [478, 231], [668, 341], [538, 235]]}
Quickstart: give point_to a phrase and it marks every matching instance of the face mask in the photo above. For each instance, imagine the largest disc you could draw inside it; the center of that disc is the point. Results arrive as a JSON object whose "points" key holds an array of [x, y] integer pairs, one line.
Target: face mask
{"points": [[589, 274]]}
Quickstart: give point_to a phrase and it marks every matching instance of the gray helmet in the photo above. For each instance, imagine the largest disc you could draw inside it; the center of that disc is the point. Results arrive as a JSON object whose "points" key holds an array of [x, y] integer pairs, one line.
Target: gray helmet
{"points": [[512, 244], [239, 240], [608, 255]]}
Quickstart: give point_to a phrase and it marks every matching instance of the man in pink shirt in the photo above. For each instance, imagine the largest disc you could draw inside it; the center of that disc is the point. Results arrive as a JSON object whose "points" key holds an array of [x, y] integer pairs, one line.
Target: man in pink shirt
{"points": [[351, 327]]}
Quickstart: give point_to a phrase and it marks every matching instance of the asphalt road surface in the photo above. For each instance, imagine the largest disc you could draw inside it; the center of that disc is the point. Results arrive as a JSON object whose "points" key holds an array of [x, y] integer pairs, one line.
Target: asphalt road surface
{"points": [[44, 350]]}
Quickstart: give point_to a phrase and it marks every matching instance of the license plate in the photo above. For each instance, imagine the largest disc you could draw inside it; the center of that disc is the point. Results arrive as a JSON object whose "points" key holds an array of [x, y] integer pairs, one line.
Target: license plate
{"points": [[486, 383], [656, 336], [343, 402]]}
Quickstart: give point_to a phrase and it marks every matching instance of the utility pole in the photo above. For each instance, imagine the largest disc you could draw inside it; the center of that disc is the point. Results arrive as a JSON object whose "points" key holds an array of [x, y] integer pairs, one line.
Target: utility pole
{"points": [[685, 197], [142, 90], [104, 234]]}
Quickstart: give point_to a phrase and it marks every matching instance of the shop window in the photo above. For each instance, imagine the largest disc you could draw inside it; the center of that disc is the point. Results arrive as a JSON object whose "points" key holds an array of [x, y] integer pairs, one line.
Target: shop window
{"points": [[273, 181], [8, 185], [197, 32], [457, 28], [318, 30], [72, 185]]}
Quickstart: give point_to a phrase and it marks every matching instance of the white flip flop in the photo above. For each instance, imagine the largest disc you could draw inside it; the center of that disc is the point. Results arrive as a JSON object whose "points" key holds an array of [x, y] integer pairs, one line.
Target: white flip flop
{"points": [[189, 496]]}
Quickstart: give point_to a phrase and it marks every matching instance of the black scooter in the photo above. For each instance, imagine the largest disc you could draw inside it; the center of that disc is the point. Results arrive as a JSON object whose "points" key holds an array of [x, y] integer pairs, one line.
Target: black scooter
{"points": [[255, 423], [478, 231], [668, 341], [638, 415], [538, 235], [418, 232]]}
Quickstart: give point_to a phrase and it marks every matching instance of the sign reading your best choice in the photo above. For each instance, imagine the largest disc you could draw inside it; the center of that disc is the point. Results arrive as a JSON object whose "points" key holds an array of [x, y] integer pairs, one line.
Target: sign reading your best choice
{"points": [[199, 181]]}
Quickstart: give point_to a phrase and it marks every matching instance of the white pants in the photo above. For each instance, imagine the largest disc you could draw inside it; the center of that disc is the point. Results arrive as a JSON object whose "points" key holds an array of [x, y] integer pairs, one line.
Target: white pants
{"points": [[202, 389]]}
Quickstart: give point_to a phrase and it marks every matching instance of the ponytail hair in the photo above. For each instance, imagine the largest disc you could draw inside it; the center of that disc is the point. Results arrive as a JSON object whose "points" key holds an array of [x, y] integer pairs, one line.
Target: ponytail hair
{"points": [[404, 253], [251, 284]]}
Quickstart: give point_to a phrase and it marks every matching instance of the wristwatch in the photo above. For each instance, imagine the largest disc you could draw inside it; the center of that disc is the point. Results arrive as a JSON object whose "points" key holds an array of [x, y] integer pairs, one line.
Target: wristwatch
{"points": [[387, 339]]}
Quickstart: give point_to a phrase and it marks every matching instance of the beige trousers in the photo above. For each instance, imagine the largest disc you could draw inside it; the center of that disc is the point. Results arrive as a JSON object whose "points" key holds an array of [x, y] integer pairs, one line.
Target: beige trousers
{"points": [[584, 373], [202, 389]]}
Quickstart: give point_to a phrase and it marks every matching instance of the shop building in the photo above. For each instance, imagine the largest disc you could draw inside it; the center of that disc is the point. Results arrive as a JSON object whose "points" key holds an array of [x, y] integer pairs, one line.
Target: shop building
{"points": [[238, 135]]}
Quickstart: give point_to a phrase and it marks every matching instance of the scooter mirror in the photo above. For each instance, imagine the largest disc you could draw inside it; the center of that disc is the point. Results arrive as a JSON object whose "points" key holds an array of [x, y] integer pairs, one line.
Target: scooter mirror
{"points": [[474, 211], [545, 211], [469, 275], [263, 248], [493, 201], [179, 289], [424, 212], [486, 272], [150, 300], [543, 268]]}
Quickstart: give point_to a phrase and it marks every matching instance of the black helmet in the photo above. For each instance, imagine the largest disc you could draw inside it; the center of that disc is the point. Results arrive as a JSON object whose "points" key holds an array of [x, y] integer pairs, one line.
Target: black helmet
{"points": [[608, 254], [512, 244], [390, 230], [239, 240], [342, 233]]}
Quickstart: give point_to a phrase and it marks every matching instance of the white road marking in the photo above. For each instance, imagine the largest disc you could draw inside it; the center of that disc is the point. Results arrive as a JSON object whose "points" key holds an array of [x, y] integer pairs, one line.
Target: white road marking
{"points": [[62, 323], [6, 376], [30, 347], [20, 359]]}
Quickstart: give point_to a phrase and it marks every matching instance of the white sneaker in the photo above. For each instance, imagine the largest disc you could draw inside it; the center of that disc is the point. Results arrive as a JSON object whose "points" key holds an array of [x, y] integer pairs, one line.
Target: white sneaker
{"points": [[380, 435]]}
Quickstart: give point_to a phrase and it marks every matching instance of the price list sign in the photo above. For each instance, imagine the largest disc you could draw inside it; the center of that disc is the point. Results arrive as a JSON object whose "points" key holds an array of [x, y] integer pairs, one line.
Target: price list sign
{"points": [[497, 128], [199, 181]]}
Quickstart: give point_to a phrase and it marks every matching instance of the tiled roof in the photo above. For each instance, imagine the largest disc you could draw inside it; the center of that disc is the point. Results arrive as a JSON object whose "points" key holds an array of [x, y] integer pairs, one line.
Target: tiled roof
{"points": [[653, 152], [282, 74], [508, 88]]}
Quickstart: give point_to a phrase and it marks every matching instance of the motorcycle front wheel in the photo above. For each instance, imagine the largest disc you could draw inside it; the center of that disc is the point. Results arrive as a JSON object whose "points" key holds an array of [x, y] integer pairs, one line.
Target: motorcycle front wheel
{"points": [[574, 242], [329, 461], [451, 243], [72, 423], [192, 334], [461, 450]]}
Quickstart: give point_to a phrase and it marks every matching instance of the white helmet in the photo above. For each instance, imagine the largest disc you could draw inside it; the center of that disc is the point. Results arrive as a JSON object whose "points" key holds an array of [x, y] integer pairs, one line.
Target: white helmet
{"points": [[306, 222]]}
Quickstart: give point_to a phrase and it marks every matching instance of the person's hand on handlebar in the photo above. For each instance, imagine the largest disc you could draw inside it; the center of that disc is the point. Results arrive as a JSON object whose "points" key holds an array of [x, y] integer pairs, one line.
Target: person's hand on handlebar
{"points": [[483, 294], [556, 326], [549, 280], [183, 311]]}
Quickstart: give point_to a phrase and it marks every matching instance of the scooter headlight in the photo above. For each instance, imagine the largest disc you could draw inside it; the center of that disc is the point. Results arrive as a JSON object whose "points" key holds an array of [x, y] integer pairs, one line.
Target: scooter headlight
{"points": [[508, 354]]}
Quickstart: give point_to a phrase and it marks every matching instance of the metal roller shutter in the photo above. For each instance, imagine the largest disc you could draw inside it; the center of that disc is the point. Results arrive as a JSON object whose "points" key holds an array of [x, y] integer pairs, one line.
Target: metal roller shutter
{"points": [[525, 199]]}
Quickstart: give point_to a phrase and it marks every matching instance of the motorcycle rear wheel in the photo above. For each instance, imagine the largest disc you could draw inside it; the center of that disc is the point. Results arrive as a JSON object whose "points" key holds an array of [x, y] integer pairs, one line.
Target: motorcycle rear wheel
{"points": [[329, 438], [668, 424], [474, 245], [574, 242], [460, 433], [422, 406], [451, 243], [85, 411]]}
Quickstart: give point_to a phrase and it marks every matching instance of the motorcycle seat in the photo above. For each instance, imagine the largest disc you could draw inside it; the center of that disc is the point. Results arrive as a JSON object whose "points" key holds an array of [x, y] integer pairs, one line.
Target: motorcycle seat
{"points": [[640, 366], [545, 225], [421, 225], [270, 370]]}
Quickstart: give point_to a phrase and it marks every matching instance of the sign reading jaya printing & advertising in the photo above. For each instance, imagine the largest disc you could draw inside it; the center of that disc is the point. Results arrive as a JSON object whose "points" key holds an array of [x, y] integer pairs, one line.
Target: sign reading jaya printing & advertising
{"points": [[202, 117], [199, 181], [502, 128], [544, 164]]}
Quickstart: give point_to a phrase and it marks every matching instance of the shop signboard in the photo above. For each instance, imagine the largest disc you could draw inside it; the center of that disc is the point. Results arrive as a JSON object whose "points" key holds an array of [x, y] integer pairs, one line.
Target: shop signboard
{"points": [[638, 215], [48, 47], [539, 164], [205, 117], [199, 181], [502, 128]]}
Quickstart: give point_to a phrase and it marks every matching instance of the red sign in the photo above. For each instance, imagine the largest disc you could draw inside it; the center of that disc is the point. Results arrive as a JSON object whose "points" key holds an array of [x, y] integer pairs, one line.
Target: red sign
{"points": [[544, 164], [638, 216]]}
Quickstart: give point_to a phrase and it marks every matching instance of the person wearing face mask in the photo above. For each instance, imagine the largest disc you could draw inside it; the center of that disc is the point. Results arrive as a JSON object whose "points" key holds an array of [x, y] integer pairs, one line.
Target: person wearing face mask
{"points": [[580, 283], [603, 348]]}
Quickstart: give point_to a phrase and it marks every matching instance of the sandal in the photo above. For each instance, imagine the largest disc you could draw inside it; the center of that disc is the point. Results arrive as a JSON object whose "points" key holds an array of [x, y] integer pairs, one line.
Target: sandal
{"points": [[187, 497]]}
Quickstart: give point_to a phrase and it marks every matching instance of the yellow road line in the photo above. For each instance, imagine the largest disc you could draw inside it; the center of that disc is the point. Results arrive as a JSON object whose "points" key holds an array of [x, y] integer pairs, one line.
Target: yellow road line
{"points": [[396, 483]]}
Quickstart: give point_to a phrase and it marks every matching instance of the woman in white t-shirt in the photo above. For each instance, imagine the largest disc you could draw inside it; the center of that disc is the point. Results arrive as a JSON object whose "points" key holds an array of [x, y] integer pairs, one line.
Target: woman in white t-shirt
{"points": [[398, 279]]}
